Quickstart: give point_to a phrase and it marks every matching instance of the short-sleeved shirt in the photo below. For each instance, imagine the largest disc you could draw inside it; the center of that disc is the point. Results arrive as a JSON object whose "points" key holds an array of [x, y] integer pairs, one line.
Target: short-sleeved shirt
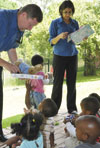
{"points": [[33, 143], [63, 47], [87, 145], [9, 31]]}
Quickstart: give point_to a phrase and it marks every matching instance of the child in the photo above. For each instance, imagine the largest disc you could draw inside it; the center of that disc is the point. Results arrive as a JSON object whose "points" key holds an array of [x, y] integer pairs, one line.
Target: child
{"points": [[95, 95], [89, 106], [37, 91], [47, 108], [87, 131], [98, 97], [37, 85], [28, 132]]}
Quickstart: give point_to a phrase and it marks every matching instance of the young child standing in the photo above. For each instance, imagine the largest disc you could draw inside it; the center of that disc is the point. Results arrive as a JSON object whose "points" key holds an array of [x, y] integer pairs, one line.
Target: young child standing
{"points": [[87, 131], [37, 85], [28, 129]]}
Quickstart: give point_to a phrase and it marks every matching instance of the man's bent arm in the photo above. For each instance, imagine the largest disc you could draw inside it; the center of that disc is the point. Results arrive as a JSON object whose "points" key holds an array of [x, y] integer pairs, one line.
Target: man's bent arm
{"points": [[12, 55], [9, 66]]}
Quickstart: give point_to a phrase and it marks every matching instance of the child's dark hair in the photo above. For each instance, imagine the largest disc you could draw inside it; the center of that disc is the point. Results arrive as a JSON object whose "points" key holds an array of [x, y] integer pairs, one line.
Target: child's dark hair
{"points": [[95, 95], [36, 59], [91, 104], [49, 108], [66, 4], [29, 126], [89, 121]]}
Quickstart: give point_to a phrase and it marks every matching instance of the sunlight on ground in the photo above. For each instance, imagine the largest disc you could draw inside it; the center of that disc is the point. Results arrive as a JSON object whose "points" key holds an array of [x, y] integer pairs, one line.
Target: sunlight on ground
{"points": [[14, 96]]}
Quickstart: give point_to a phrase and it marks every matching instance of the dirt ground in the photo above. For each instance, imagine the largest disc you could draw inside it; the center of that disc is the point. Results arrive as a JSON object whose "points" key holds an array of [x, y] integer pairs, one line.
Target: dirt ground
{"points": [[14, 97]]}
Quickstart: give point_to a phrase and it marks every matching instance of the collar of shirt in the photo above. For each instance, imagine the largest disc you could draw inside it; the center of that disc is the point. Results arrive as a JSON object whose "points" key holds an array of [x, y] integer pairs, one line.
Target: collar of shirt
{"points": [[61, 20]]}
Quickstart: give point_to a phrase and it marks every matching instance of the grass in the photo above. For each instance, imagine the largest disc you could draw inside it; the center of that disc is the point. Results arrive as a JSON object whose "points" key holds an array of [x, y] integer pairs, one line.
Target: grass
{"points": [[82, 78], [14, 119]]}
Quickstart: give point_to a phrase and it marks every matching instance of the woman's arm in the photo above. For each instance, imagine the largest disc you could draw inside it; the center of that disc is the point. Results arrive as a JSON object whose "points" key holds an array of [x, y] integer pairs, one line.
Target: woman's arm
{"points": [[63, 35], [54, 36]]}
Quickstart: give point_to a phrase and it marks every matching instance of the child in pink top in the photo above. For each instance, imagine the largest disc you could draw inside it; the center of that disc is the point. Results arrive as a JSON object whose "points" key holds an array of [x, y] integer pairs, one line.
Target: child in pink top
{"points": [[37, 85]]}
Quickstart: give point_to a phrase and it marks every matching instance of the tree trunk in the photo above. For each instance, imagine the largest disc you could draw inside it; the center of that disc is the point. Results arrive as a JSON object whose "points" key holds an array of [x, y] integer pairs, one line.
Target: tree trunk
{"points": [[89, 66]]}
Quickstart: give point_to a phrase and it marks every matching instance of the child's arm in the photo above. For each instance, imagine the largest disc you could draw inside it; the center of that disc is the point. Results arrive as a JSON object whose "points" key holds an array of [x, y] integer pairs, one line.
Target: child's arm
{"points": [[27, 96], [12, 140], [71, 129]]}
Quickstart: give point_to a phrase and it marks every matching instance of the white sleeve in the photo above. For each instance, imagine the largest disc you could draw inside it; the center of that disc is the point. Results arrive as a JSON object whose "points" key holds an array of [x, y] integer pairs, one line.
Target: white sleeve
{"points": [[46, 81], [71, 129]]}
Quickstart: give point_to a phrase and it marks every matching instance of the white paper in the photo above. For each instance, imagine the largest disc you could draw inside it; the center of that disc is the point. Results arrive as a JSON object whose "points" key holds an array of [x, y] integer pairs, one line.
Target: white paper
{"points": [[27, 76], [80, 34]]}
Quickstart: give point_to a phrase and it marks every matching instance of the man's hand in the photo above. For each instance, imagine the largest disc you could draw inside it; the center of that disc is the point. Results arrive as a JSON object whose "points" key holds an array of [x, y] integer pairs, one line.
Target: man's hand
{"points": [[11, 67]]}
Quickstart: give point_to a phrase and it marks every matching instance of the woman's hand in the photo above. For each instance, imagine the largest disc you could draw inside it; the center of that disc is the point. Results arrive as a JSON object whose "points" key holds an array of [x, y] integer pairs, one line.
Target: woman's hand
{"points": [[63, 35]]}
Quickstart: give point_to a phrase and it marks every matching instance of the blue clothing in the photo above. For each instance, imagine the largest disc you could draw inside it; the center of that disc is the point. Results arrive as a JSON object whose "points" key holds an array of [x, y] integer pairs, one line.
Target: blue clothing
{"points": [[9, 32], [36, 98], [62, 47], [38, 143], [24, 68]]}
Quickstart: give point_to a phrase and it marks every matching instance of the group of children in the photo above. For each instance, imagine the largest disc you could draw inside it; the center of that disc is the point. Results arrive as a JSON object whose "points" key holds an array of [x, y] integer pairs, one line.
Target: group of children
{"points": [[83, 130], [90, 107]]}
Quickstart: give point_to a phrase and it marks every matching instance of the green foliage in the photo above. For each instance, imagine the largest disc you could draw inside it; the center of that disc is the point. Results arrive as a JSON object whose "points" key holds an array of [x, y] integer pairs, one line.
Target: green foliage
{"points": [[25, 50], [13, 82], [82, 78], [39, 37], [6, 4], [88, 13]]}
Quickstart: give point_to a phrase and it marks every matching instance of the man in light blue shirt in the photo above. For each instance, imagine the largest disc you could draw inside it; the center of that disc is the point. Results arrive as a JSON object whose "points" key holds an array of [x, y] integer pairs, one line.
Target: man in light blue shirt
{"points": [[13, 23]]}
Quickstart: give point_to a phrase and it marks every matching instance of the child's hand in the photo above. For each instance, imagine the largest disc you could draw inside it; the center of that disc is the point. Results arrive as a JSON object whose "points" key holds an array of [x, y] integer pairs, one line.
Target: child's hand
{"points": [[28, 85], [66, 120], [26, 111], [69, 118], [46, 76]]}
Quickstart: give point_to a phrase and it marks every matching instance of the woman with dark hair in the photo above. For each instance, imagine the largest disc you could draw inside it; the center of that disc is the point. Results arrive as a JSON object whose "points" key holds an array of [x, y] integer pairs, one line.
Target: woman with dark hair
{"points": [[65, 55]]}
